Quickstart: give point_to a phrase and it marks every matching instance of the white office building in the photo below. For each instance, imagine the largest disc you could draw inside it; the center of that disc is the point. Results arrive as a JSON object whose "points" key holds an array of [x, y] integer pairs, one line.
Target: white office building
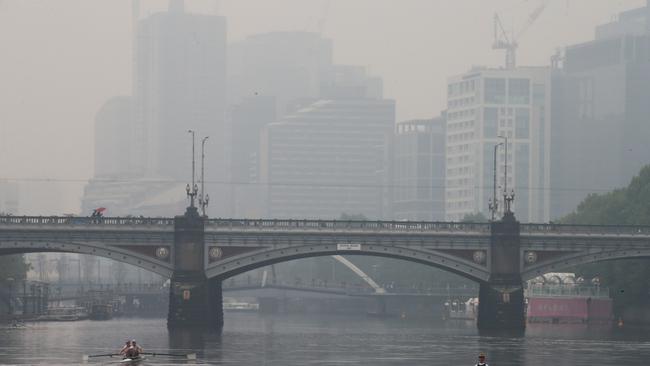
{"points": [[484, 107]]}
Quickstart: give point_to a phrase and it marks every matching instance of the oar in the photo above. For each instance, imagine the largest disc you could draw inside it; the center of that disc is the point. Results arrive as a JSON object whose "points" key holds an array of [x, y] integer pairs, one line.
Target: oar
{"points": [[86, 357], [190, 356]]}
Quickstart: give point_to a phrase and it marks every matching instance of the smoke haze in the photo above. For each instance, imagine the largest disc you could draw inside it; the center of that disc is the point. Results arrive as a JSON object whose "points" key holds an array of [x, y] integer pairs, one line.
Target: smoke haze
{"points": [[61, 60]]}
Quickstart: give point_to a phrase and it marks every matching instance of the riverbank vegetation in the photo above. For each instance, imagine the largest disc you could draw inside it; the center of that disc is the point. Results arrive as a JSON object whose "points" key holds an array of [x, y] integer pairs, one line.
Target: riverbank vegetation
{"points": [[628, 279]]}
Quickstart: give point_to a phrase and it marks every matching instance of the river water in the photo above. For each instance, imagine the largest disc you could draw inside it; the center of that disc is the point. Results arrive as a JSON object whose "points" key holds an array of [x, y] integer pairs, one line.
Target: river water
{"points": [[253, 339]]}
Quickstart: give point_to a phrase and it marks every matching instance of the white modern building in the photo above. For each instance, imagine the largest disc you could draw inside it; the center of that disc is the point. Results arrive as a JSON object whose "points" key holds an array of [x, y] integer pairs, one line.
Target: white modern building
{"points": [[484, 107], [332, 156]]}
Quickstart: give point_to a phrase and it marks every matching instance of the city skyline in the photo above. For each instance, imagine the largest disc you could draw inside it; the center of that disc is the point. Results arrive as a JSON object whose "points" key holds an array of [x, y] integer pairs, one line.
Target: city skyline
{"points": [[55, 165]]}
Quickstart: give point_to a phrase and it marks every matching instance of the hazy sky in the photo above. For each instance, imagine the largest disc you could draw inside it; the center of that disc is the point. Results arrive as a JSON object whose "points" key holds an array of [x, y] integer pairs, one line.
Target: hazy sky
{"points": [[61, 59]]}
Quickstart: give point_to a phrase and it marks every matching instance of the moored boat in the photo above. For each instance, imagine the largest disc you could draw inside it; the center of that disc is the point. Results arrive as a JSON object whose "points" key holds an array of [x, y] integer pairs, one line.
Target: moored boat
{"points": [[101, 312], [461, 309], [561, 298], [67, 313], [241, 306]]}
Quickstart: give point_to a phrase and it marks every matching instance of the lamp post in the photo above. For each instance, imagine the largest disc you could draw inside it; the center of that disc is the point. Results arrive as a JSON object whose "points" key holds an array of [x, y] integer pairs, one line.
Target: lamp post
{"points": [[204, 199], [494, 205], [192, 191], [505, 174]]}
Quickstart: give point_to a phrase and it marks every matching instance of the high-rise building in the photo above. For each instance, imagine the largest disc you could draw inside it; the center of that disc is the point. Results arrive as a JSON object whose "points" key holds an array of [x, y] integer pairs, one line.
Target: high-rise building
{"points": [[9, 198], [180, 84], [600, 112], [289, 66], [330, 157], [484, 107], [248, 119], [419, 170], [114, 139]]}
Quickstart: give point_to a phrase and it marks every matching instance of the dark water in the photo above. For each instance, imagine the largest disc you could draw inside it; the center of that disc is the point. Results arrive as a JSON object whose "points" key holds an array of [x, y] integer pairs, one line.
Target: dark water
{"points": [[250, 339]]}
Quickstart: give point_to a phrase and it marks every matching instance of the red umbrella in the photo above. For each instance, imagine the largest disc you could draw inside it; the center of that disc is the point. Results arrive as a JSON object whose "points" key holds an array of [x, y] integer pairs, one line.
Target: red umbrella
{"points": [[100, 209]]}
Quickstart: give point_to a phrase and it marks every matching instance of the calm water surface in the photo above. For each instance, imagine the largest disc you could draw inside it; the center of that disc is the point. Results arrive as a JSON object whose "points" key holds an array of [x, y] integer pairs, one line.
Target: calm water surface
{"points": [[252, 339]]}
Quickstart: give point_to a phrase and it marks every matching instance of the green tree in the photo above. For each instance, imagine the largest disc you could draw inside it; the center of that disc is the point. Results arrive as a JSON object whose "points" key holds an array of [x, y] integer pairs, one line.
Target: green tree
{"points": [[628, 279], [475, 217], [13, 266], [353, 217]]}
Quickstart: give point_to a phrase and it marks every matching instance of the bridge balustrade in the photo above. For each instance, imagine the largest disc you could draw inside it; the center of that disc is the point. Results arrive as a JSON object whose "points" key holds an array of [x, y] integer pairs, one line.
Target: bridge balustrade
{"points": [[65, 220], [277, 224], [344, 225], [561, 229]]}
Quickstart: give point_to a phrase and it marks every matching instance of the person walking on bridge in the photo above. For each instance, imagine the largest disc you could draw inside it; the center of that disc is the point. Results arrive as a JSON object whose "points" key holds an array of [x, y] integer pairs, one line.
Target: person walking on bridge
{"points": [[481, 360]]}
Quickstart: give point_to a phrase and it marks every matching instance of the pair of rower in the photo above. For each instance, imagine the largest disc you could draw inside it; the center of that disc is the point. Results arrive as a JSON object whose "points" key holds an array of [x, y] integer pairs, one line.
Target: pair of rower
{"points": [[131, 349]]}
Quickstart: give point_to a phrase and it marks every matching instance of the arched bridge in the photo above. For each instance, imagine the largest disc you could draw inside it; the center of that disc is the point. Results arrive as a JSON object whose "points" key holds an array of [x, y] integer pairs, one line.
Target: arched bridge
{"points": [[191, 249]]}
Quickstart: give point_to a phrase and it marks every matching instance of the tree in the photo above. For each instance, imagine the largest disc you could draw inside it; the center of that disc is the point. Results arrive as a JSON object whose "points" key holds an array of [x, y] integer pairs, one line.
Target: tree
{"points": [[475, 217], [628, 279], [13, 266], [353, 217]]}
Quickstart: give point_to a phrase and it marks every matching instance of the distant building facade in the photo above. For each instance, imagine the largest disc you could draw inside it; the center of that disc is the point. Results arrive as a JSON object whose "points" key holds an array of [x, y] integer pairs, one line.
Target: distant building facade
{"points": [[179, 85], [9, 198], [289, 66], [114, 139], [248, 118], [331, 156], [600, 117], [482, 105], [419, 170]]}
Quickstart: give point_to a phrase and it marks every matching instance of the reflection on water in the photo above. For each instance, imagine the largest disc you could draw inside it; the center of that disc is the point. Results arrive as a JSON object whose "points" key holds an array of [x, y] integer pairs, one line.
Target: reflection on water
{"points": [[251, 339]]}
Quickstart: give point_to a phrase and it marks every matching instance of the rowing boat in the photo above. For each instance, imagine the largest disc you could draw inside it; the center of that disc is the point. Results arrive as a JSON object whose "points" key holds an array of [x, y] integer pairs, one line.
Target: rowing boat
{"points": [[141, 357], [132, 361]]}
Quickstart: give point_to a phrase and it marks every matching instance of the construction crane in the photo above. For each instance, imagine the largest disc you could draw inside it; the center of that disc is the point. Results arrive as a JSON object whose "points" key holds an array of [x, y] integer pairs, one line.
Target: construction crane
{"points": [[320, 21], [323, 16], [509, 43]]}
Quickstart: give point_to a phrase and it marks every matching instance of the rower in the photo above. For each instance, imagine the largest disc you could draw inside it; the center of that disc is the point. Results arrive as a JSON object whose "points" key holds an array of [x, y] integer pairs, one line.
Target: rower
{"points": [[137, 347], [126, 346]]}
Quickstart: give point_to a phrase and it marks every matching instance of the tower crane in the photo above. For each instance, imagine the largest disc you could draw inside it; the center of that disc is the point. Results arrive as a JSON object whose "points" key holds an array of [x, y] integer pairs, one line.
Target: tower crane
{"points": [[509, 43]]}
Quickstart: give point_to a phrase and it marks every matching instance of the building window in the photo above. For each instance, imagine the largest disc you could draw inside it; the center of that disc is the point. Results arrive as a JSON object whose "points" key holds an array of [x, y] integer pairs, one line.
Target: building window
{"points": [[519, 91], [490, 119], [539, 94], [495, 91], [522, 123]]}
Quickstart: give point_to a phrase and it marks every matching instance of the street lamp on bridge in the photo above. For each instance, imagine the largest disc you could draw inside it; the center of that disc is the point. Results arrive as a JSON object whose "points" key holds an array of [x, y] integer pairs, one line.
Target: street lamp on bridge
{"points": [[204, 199], [192, 191], [493, 204], [507, 198]]}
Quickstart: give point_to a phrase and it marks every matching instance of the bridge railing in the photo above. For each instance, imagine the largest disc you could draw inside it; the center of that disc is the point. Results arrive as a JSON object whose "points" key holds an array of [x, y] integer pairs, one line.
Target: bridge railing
{"points": [[561, 229], [343, 225], [72, 220]]}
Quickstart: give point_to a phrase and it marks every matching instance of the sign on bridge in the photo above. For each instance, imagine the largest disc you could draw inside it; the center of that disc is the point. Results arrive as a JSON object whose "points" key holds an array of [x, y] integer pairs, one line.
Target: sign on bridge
{"points": [[348, 246]]}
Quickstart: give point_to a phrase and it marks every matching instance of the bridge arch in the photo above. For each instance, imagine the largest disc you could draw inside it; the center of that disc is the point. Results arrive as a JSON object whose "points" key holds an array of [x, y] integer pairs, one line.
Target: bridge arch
{"points": [[111, 252], [232, 266], [570, 260]]}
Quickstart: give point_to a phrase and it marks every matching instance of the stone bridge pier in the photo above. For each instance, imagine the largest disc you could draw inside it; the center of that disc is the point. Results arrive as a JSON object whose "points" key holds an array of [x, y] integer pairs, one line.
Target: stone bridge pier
{"points": [[194, 300], [501, 298]]}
